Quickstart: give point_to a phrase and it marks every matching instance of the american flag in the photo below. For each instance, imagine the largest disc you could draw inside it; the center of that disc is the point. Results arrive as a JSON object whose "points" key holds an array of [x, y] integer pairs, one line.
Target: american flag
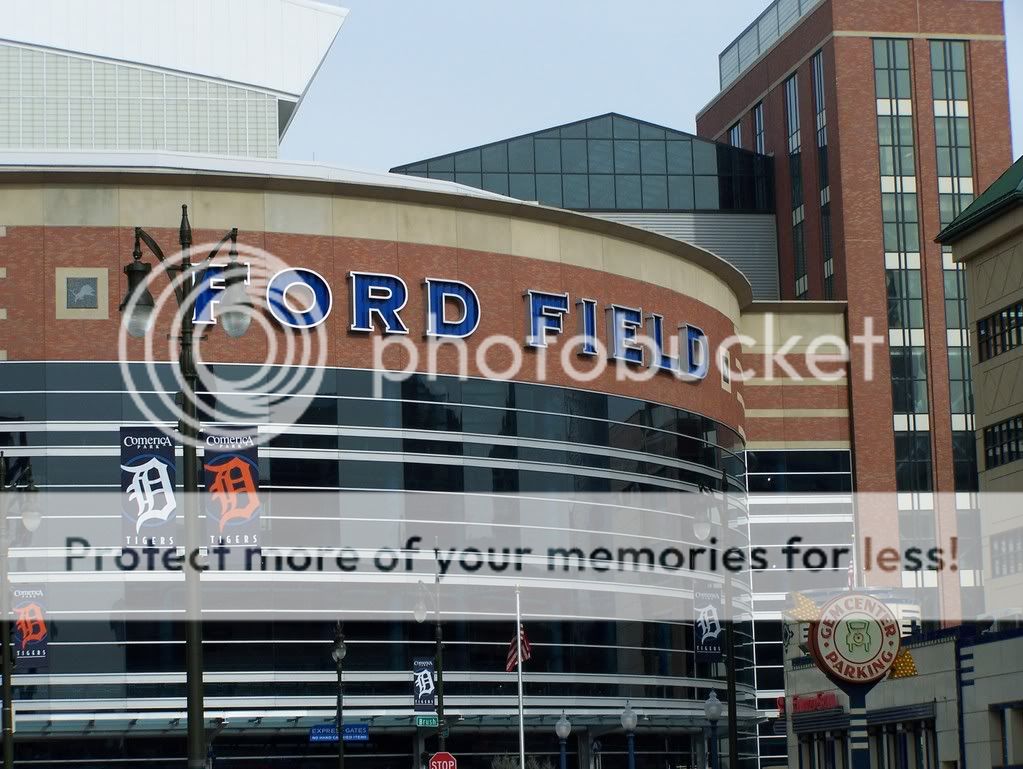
{"points": [[512, 660]]}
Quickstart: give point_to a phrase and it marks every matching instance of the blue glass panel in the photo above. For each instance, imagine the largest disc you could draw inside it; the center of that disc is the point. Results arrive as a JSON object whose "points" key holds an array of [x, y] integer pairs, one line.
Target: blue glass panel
{"points": [[574, 131], [680, 192], [573, 156], [680, 157], [444, 164], [548, 189], [600, 156], [520, 154], [651, 155], [625, 128], [627, 192], [496, 183], [655, 192], [495, 157], [705, 158], [522, 186], [548, 156], [599, 128], [602, 191], [467, 161], [707, 196], [650, 132], [576, 191], [627, 157]]}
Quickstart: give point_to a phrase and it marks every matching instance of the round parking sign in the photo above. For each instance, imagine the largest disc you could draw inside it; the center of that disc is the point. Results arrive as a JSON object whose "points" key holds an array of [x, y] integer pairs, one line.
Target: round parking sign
{"points": [[856, 639]]}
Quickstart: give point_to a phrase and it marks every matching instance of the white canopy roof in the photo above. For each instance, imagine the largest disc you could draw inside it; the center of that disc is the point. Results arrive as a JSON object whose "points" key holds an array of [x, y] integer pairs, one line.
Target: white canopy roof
{"points": [[272, 44]]}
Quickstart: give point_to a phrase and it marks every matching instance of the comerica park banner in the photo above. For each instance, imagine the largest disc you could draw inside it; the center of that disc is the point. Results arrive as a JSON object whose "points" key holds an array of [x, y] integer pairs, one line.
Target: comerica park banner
{"points": [[149, 504], [31, 632], [231, 472]]}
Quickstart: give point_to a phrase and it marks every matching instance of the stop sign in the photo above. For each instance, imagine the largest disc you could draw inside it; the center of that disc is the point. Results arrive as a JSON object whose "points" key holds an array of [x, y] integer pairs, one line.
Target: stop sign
{"points": [[443, 761]]}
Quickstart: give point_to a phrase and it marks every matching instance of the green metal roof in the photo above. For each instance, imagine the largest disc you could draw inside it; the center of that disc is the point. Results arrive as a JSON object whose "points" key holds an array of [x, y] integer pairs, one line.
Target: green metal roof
{"points": [[1007, 191]]}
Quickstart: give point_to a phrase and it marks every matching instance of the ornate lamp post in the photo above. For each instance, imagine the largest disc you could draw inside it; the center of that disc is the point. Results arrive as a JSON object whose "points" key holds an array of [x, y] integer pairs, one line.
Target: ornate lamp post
{"points": [[139, 319], [420, 613], [22, 482], [712, 709], [563, 728], [338, 654], [629, 721]]}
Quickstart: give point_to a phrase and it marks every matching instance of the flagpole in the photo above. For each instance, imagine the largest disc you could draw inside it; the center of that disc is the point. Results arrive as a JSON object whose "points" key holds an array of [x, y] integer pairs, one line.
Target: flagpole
{"points": [[518, 646]]}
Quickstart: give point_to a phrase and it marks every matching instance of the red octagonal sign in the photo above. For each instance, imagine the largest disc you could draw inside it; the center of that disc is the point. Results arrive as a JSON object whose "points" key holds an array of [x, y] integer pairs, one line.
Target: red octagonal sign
{"points": [[443, 761]]}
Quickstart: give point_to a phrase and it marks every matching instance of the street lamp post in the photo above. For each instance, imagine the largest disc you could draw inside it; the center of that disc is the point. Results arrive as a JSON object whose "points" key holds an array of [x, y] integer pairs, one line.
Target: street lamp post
{"points": [[26, 484], [702, 530], [629, 721], [712, 709], [338, 653], [563, 728], [420, 614], [137, 323]]}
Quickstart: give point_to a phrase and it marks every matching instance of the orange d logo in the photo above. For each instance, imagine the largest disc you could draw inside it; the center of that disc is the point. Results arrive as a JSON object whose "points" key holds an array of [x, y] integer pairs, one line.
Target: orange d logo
{"points": [[234, 489], [30, 624]]}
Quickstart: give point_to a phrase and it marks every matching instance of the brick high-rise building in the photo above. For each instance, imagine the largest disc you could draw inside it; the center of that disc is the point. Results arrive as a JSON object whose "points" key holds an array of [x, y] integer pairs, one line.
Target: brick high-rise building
{"points": [[884, 117]]}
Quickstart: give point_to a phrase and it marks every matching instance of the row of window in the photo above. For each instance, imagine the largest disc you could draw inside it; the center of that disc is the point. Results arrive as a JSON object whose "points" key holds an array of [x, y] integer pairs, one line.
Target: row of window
{"points": [[1007, 553], [1000, 332], [1003, 442]]}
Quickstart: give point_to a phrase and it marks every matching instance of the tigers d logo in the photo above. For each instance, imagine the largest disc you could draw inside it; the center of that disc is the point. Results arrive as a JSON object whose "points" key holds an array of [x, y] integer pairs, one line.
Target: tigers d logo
{"points": [[856, 639], [233, 487], [231, 462]]}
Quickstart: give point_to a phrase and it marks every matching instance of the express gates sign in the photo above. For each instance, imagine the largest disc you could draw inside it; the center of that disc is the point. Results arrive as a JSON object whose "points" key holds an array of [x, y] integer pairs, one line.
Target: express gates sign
{"points": [[856, 639], [302, 299]]}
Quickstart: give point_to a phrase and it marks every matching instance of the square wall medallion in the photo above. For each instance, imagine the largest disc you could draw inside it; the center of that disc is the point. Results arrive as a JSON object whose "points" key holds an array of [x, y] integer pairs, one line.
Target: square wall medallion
{"points": [[82, 293]]}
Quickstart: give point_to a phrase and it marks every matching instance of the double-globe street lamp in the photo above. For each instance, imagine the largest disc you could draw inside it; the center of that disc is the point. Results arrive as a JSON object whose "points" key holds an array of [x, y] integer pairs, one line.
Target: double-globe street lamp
{"points": [[629, 722], [563, 728], [338, 654], [712, 709], [235, 316], [19, 482]]}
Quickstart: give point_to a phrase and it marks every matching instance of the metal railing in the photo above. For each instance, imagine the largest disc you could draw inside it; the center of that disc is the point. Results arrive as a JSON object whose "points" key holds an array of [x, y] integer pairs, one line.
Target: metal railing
{"points": [[769, 26]]}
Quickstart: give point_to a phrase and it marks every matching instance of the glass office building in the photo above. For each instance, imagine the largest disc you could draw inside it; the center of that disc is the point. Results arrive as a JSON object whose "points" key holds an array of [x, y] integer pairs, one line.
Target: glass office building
{"points": [[712, 195]]}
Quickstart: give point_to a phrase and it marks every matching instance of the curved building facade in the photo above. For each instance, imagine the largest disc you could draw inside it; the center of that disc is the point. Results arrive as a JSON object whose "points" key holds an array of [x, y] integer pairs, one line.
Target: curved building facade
{"points": [[116, 689]]}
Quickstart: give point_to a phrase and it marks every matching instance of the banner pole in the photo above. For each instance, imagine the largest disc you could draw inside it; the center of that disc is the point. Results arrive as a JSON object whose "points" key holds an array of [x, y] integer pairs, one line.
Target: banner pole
{"points": [[518, 646]]}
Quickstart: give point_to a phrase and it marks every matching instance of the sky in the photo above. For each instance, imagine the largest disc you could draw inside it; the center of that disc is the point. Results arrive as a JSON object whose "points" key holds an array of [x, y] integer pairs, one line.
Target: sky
{"points": [[410, 79]]}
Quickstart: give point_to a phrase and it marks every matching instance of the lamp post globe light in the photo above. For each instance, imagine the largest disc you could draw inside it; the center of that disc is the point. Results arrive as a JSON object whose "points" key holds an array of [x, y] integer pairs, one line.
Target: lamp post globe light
{"points": [[629, 722], [712, 709], [563, 728], [30, 519], [338, 654], [139, 308]]}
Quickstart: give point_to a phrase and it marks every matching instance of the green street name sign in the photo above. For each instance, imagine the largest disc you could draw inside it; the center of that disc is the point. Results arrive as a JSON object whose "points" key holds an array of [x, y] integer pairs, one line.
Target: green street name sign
{"points": [[427, 722]]}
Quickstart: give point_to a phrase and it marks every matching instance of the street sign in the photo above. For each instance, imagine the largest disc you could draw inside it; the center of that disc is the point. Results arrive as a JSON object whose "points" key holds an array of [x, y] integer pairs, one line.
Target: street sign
{"points": [[443, 761], [427, 722], [328, 733]]}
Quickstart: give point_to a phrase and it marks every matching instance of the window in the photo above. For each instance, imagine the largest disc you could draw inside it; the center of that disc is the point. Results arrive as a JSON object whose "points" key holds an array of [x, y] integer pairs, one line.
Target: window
{"points": [[796, 186], [909, 380], [1007, 553], [758, 128], [1000, 332], [1003, 442], [735, 135], [792, 113]]}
